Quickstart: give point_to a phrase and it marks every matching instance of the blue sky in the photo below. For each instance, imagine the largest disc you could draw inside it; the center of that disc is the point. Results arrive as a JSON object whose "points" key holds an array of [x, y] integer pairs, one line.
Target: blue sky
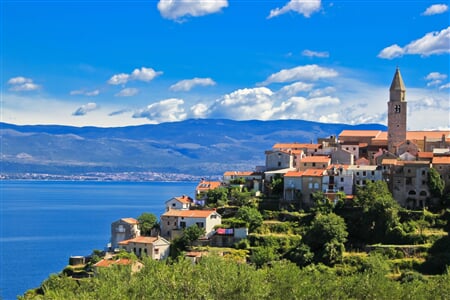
{"points": [[118, 63]]}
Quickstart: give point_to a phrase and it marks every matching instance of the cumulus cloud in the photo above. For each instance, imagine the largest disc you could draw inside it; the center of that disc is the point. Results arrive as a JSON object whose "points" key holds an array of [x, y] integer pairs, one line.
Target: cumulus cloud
{"points": [[199, 110], [176, 9], [445, 86], [307, 72], [168, 110], [435, 9], [84, 109], [22, 84], [244, 104], [310, 53], [127, 92], [295, 88], [142, 74], [432, 43], [303, 108], [435, 78], [303, 7], [322, 92], [188, 84], [85, 93]]}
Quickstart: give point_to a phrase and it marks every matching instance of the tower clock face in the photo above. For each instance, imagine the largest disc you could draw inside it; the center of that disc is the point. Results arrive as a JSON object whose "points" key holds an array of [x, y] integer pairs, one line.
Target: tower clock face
{"points": [[397, 109]]}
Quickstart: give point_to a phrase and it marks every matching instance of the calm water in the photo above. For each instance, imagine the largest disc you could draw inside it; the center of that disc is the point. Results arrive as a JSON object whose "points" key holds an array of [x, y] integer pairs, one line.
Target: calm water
{"points": [[43, 223]]}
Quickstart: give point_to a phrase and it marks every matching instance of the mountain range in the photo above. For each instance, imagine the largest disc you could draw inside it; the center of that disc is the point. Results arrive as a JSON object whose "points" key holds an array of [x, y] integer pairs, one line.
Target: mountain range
{"points": [[200, 147]]}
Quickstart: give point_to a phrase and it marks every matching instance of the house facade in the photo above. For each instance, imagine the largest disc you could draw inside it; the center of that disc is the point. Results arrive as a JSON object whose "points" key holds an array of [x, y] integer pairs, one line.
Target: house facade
{"points": [[182, 202], [157, 248], [174, 221], [123, 229]]}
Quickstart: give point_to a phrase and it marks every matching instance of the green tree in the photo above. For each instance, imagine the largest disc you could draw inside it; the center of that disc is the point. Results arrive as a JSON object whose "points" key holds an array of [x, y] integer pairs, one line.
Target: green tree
{"points": [[379, 212], [217, 197], [251, 216], [147, 221], [326, 238], [192, 233], [263, 255], [435, 183]]}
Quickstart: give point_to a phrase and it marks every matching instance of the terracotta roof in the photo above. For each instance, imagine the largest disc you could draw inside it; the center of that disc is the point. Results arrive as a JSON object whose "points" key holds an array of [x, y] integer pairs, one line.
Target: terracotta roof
{"points": [[419, 135], [294, 174], [184, 199], [441, 160], [425, 154], [390, 161], [313, 172], [188, 213], [317, 158], [140, 239], [337, 166], [362, 161], [110, 262], [360, 133], [208, 185], [238, 173], [295, 146], [130, 220], [381, 137]]}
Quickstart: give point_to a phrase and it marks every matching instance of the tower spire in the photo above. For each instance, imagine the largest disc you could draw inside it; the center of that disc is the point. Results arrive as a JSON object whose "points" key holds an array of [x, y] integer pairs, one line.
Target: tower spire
{"points": [[397, 89]]}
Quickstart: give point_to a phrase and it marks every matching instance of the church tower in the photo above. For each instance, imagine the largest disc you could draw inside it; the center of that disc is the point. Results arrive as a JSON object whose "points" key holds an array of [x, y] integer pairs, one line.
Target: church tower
{"points": [[396, 112]]}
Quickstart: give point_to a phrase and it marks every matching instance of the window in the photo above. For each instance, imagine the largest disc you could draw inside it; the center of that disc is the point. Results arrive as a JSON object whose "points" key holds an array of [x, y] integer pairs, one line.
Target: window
{"points": [[310, 185], [313, 164], [354, 148], [373, 173], [342, 179], [316, 185], [173, 204], [168, 223], [423, 173], [357, 173], [156, 251], [357, 182], [200, 224], [279, 163], [183, 224], [364, 173]]}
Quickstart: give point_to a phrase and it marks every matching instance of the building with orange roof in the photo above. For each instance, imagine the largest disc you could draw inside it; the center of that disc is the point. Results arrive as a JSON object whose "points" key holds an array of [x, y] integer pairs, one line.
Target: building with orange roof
{"points": [[155, 247], [174, 221], [314, 162], [308, 149], [181, 202], [252, 180], [123, 229], [442, 165]]}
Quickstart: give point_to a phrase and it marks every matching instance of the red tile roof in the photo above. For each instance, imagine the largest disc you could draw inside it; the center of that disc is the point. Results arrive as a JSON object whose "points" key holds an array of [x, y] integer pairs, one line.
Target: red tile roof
{"points": [[140, 239], [360, 133], [390, 161], [294, 174], [184, 199], [208, 185], [316, 159], [110, 262], [441, 160], [132, 221], [425, 154], [313, 173], [238, 173], [188, 213]]}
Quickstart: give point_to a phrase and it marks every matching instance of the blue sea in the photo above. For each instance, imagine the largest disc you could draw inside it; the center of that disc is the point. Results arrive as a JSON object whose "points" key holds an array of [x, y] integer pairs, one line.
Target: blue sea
{"points": [[43, 223]]}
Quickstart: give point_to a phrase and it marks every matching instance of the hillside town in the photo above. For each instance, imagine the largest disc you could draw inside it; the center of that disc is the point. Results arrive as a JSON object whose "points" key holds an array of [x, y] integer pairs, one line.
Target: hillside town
{"points": [[335, 166]]}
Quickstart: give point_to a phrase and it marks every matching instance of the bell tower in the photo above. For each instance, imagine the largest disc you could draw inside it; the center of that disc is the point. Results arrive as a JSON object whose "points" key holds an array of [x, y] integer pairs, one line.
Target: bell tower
{"points": [[396, 112]]}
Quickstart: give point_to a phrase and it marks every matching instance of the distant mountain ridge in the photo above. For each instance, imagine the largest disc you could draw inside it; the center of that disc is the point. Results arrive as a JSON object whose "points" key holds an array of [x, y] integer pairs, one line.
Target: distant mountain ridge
{"points": [[195, 146]]}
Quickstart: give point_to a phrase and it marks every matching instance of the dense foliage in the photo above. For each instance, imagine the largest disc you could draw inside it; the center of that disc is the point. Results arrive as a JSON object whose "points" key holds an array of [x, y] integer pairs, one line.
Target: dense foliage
{"points": [[147, 221], [217, 278]]}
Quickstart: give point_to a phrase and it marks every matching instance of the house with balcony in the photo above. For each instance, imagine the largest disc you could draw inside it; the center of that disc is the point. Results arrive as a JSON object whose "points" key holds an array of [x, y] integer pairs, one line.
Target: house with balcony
{"points": [[182, 202], [123, 229]]}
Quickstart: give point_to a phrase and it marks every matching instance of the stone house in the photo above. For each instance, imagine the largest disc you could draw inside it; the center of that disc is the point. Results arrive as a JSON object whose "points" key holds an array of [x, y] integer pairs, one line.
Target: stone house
{"points": [[123, 229], [155, 247]]}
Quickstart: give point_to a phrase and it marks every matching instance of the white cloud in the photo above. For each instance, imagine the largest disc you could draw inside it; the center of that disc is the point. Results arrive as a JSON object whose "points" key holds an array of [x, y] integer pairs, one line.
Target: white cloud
{"points": [[188, 84], [244, 104], [22, 84], [145, 74], [199, 110], [142, 74], [322, 92], [445, 86], [175, 9], [294, 89], [303, 108], [85, 93], [127, 92], [121, 78], [435, 9], [168, 110], [435, 76], [311, 53], [303, 7], [431, 44], [84, 109], [307, 72]]}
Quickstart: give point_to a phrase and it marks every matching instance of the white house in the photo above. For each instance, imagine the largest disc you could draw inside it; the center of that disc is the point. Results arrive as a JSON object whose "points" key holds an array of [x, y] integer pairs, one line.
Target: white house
{"points": [[183, 202], [155, 247], [123, 229], [174, 221]]}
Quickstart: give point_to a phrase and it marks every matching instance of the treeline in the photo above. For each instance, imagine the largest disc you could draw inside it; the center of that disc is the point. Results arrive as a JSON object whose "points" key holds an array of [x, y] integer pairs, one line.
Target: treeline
{"points": [[218, 278]]}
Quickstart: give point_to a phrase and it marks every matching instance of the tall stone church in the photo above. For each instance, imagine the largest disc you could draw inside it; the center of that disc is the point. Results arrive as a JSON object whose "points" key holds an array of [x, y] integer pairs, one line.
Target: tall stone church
{"points": [[397, 113]]}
